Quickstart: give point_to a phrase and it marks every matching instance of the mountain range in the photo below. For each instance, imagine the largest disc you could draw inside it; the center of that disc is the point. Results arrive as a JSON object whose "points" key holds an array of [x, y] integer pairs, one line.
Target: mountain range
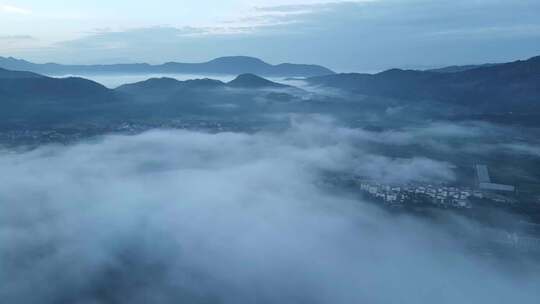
{"points": [[461, 68], [18, 88], [233, 65], [508, 87], [508, 93], [30, 98]]}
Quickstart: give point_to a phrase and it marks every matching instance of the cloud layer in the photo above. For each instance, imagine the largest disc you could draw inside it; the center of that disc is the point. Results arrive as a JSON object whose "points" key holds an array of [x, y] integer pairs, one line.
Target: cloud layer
{"points": [[170, 216]]}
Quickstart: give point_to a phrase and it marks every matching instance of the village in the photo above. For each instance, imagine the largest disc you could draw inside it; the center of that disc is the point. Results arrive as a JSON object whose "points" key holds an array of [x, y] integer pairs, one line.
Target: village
{"points": [[441, 195], [444, 196]]}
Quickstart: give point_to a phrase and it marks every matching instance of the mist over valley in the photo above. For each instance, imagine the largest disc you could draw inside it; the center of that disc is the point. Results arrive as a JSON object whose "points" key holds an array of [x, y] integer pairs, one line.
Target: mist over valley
{"points": [[143, 161]]}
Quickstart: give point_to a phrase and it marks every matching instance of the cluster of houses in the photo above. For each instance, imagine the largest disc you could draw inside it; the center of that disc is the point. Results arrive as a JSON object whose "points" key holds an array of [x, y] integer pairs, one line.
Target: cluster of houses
{"points": [[441, 195], [450, 197], [72, 133]]}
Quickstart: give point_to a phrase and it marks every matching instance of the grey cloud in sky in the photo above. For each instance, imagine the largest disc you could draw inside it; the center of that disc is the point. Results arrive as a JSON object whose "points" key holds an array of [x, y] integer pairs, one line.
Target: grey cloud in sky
{"points": [[16, 37], [347, 36]]}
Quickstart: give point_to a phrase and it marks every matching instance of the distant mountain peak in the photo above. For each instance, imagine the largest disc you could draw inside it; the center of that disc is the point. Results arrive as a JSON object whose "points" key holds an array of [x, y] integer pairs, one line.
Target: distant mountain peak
{"points": [[534, 59], [505, 87], [238, 60], [10, 60], [8, 74], [249, 80], [166, 83], [249, 76], [230, 65], [204, 82]]}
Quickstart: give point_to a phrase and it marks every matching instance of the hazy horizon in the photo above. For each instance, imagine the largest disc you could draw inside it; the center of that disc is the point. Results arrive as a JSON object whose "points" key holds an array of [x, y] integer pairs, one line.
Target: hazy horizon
{"points": [[369, 35]]}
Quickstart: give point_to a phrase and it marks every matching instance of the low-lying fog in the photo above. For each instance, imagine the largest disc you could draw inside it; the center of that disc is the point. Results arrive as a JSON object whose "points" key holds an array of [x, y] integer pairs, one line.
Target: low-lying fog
{"points": [[171, 216]]}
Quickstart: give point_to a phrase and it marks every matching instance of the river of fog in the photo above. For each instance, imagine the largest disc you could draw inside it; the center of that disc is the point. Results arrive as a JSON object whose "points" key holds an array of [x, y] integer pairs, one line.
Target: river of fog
{"points": [[172, 216]]}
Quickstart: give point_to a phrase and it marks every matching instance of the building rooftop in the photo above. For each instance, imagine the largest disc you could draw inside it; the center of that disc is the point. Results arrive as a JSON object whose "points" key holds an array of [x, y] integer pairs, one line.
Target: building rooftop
{"points": [[497, 187], [482, 174]]}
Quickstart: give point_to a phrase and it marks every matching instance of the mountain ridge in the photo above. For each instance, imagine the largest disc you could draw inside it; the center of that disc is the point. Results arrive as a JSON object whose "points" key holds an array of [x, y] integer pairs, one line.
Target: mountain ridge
{"points": [[513, 86], [234, 65], [504, 92]]}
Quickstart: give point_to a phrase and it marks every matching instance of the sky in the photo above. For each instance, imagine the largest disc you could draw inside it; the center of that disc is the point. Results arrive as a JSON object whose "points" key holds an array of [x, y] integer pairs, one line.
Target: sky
{"points": [[342, 35]]}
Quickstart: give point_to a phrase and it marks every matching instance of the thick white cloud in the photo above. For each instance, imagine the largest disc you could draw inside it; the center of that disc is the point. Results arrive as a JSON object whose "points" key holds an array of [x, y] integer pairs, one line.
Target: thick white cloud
{"points": [[169, 216], [11, 9]]}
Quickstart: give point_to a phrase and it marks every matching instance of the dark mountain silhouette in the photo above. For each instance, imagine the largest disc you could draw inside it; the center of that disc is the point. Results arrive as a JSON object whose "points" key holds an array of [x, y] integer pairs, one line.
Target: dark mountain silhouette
{"points": [[225, 65], [191, 95], [159, 90], [505, 87], [26, 86], [254, 82], [507, 93], [461, 68], [7, 74], [32, 98], [169, 85]]}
